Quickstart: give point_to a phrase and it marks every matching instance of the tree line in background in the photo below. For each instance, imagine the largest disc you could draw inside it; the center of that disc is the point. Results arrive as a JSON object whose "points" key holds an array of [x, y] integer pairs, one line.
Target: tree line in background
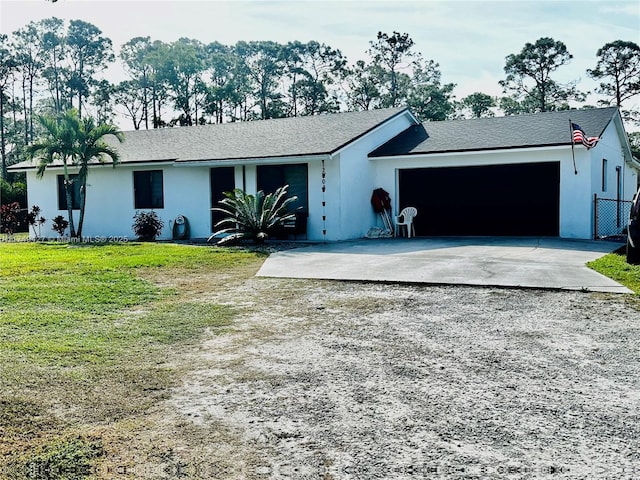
{"points": [[48, 67]]}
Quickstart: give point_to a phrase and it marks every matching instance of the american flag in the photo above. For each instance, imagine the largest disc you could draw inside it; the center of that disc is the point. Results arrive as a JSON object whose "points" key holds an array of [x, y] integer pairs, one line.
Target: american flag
{"points": [[580, 137]]}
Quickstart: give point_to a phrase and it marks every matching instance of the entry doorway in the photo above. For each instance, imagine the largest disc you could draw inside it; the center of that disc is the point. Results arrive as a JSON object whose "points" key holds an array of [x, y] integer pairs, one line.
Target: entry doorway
{"points": [[222, 179]]}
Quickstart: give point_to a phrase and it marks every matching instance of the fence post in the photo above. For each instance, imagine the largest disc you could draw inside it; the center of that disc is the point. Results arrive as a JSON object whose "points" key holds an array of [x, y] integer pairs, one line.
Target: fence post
{"points": [[595, 216]]}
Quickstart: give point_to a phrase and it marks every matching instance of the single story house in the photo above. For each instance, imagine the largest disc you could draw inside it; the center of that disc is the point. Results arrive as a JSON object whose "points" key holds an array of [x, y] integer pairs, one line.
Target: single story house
{"points": [[515, 175]]}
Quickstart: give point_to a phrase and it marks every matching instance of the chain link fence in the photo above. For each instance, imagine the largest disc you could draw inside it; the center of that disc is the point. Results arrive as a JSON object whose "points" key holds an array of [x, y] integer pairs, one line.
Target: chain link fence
{"points": [[610, 218]]}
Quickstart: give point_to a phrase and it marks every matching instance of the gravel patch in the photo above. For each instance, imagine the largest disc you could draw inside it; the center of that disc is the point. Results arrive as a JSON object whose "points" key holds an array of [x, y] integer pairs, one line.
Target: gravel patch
{"points": [[322, 379]]}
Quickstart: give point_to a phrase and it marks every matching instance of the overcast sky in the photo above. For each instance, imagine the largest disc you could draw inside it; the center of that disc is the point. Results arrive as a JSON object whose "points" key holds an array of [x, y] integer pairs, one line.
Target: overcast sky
{"points": [[469, 39]]}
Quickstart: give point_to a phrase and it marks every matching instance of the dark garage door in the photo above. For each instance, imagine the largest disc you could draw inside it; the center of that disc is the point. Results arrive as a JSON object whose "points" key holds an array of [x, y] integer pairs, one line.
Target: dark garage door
{"points": [[518, 200]]}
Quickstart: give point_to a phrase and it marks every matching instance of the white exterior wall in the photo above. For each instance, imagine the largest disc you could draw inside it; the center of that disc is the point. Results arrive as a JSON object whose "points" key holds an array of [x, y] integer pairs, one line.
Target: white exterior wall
{"points": [[331, 210], [110, 200], [576, 199], [358, 179], [350, 178], [575, 191], [43, 192], [609, 148]]}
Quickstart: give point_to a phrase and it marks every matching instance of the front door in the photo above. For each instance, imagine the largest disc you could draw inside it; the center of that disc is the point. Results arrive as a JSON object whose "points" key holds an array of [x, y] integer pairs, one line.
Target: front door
{"points": [[222, 180]]}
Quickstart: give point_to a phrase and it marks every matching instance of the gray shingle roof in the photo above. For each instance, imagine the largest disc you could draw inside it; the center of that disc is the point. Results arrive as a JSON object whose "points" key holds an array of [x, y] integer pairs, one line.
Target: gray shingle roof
{"points": [[313, 135], [533, 130]]}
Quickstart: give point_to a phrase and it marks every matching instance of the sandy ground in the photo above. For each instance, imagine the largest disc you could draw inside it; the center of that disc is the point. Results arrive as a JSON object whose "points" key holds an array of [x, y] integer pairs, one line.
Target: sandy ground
{"points": [[333, 380]]}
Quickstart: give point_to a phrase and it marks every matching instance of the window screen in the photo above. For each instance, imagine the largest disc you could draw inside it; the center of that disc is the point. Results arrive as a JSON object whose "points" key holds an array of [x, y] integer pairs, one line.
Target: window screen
{"points": [[271, 177], [75, 193], [148, 189]]}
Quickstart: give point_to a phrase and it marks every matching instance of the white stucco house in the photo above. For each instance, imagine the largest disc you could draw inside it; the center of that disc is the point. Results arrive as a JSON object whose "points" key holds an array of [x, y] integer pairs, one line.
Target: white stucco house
{"points": [[516, 175]]}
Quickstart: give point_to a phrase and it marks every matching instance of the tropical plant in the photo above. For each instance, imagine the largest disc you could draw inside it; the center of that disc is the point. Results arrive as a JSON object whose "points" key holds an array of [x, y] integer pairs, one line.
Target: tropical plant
{"points": [[74, 142], [35, 220], [147, 225], [91, 146], [58, 143], [253, 216], [9, 217], [60, 224]]}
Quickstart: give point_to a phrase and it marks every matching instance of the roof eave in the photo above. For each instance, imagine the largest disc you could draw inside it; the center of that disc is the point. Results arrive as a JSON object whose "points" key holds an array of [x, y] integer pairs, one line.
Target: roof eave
{"points": [[253, 160], [25, 168], [472, 151]]}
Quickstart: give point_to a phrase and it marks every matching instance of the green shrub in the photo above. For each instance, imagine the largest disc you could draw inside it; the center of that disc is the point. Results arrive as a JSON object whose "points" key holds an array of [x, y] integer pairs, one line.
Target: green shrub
{"points": [[147, 226], [253, 216]]}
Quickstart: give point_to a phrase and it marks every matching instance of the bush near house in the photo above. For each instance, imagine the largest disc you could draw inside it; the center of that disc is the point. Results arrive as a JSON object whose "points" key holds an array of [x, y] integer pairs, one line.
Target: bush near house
{"points": [[10, 218], [253, 217], [147, 226]]}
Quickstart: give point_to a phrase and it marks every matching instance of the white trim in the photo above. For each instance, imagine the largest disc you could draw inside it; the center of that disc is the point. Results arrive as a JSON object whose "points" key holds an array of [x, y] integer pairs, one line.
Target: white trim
{"points": [[470, 152], [97, 164], [402, 113], [252, 161]]}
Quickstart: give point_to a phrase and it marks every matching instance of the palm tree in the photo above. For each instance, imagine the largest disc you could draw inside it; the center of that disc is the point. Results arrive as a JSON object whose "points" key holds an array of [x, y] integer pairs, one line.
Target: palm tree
{"points": [[91, 146], [74, 142], [58, 143]]}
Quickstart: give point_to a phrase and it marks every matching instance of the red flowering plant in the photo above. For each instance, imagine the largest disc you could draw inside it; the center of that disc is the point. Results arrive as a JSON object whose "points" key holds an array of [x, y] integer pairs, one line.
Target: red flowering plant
{"points": [[9, 217]]}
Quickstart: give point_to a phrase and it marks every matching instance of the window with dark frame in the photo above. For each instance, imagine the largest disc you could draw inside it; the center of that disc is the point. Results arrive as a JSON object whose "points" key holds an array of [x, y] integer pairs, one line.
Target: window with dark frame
{"points": [[148, 189], [604, 174], [271, 177], [75, 193]]}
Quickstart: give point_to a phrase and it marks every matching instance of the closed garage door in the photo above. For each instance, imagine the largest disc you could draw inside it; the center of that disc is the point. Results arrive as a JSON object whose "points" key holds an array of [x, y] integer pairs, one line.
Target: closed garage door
{"points": [[518, 200]]}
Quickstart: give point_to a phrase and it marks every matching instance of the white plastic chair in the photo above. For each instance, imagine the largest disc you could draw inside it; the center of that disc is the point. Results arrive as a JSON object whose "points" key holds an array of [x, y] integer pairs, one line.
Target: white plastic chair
{"points": [[405, 219]]}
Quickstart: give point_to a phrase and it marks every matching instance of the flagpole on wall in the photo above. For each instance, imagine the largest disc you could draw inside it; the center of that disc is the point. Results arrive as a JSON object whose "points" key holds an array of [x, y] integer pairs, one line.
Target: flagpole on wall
{"points": [[573, 153]]}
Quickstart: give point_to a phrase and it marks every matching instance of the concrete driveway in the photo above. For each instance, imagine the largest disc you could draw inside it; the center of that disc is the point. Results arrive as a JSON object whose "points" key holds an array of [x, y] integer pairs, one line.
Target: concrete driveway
{"points": [[549, 263]]}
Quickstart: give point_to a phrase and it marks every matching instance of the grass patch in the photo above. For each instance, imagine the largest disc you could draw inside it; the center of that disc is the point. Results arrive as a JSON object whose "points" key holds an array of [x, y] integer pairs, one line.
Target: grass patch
{"points": [[86, 339], [62, 459], [614, 265]]}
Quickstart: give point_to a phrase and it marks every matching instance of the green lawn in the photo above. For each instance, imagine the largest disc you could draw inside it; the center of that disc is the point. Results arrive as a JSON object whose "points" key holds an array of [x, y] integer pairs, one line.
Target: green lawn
{"points": [[88, 338], [86, 332], [615, 266]]}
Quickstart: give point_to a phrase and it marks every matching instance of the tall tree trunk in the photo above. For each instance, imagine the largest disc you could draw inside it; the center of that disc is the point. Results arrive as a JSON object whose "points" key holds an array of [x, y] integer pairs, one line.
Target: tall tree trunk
{"points": [[24, 109], [153, 100], [31, 107], [68, 186], [81, 70], [294, 95], [83, 202], [145, 100], [2, 147], [195, 98], [394, 88], [58, 106], [13, 108]]}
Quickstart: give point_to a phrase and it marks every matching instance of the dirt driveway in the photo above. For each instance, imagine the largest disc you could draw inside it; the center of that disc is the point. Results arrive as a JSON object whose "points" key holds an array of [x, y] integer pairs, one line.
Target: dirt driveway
{"points": [[335, 380]]}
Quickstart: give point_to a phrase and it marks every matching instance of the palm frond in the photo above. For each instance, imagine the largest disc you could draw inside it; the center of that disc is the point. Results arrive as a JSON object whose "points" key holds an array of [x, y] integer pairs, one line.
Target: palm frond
{"points": [[252, 216]]}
